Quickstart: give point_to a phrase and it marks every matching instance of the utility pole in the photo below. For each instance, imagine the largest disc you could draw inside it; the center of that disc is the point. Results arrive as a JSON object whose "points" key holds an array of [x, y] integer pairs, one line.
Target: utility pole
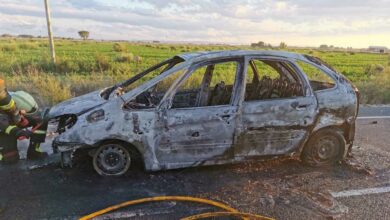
{"points": [[51, 41]]}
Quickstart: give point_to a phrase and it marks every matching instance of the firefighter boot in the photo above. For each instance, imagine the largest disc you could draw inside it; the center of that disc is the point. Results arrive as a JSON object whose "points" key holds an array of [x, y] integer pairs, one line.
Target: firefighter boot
{"points": [[34, 152], [10, 157]]}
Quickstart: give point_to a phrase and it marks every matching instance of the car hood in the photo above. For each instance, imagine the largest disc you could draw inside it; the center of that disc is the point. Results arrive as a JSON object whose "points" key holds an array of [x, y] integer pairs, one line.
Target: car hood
{"points": [[78, 105]]}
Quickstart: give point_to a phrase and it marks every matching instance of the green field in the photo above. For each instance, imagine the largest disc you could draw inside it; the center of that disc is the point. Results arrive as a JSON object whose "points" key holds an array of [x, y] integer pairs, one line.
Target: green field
{"points": [[84, 66]]}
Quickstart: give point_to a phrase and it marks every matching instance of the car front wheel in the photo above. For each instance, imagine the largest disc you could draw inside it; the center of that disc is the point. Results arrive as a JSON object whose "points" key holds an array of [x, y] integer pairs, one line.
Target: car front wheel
{"points": [[324, 148], [111, 160]]}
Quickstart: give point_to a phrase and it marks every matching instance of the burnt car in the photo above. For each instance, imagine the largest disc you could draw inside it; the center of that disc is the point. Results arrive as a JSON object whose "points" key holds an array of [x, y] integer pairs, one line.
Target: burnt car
{"points": [[211, 108]]}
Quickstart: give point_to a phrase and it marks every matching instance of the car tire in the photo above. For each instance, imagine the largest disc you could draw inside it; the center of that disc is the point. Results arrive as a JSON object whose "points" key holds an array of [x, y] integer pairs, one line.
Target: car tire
{"points": [[112, 159], [324, 148]]}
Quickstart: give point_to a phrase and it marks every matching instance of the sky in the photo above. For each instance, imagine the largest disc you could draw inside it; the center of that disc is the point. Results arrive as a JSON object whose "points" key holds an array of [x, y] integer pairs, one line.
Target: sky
{"points": [[343, 23]]}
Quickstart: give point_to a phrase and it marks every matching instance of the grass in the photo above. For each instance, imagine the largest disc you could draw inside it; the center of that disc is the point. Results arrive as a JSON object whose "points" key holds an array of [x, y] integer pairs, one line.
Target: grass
{"points": [[376, 90], [84, 66]]}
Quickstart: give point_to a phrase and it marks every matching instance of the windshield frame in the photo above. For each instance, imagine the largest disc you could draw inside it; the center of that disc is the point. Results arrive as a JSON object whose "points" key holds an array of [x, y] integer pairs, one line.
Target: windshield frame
{"points": [[173, 61], [130, 95]]}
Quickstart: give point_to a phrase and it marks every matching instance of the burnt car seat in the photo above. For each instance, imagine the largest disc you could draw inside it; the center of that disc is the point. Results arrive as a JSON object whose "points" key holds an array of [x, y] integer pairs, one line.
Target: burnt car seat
{"points": [[219, 95], [261, 89]]}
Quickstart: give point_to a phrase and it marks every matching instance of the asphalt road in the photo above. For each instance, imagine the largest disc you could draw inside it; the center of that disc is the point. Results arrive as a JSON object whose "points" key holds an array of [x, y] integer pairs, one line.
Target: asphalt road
{"points": [[378, 110], [279, 188]]}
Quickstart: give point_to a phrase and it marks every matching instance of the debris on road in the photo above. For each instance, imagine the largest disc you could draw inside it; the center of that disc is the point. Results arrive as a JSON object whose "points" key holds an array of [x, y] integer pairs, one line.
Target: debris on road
{"points": [[353, 164], [40, 166], [289, 190], [50, 161], [325, 204]]}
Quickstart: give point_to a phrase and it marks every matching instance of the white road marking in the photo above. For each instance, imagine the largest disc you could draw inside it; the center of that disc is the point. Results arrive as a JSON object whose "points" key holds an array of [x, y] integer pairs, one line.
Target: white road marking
{"points": [[360, 192], [374, 117]]}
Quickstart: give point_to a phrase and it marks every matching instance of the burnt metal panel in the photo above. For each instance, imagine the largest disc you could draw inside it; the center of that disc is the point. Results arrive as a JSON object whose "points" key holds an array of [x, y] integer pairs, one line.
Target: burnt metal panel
{"points": [[197, 134], [274, 127]]}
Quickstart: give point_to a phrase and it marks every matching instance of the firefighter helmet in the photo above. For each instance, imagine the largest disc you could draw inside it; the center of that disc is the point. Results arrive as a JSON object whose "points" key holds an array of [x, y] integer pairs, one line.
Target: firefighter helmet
{"points": [[25, 101]]}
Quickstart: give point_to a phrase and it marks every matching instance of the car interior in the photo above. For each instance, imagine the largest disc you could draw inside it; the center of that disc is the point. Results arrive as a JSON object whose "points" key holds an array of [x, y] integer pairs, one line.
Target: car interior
{"points": [[285, 83], [319, 85], [319, 80]]}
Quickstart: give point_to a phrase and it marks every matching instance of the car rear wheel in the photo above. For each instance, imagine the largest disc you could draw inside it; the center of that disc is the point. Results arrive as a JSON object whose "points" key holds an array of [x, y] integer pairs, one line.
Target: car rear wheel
{"points": [[324, 148], [111, 160]]}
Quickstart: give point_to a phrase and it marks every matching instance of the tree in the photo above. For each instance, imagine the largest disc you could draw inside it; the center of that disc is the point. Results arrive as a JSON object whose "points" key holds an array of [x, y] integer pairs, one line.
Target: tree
{"points": [[6, 35], [323, 46], [259, 44], [84, 34], [282, 45]]}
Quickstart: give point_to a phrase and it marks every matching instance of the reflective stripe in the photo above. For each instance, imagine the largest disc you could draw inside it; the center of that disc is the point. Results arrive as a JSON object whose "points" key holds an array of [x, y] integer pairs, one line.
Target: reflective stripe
{"points": [[9, 106], [9, 129], [38, 148], [40, 132]]}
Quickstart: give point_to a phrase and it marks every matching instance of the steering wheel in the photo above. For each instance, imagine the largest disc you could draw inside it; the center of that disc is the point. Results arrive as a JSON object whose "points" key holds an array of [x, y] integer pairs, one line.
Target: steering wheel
{"points": [[152, 98], [144, 100]]}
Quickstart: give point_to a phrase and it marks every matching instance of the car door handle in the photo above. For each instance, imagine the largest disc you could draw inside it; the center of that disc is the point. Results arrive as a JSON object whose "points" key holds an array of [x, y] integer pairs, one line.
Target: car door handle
{"points": [[299, 106], [225, 116], [195, 134]]}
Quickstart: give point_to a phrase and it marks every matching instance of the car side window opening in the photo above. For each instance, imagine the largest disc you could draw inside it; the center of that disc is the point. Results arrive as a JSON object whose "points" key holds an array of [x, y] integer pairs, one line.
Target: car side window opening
{"points": [[208, 85], [319, 80], [271, 79]]}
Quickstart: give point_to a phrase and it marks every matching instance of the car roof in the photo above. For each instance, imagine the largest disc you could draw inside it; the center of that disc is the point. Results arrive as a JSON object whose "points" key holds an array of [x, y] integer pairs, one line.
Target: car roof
{"points": [[197, 56]]}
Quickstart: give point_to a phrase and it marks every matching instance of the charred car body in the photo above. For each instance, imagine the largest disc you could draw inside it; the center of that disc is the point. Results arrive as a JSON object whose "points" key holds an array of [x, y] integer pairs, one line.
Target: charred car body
{"points": [[213, 108]]}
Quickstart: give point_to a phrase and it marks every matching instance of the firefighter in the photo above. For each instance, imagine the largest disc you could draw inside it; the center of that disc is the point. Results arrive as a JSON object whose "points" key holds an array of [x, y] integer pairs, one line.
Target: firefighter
{"points": [[19, 110], [31, 117]]}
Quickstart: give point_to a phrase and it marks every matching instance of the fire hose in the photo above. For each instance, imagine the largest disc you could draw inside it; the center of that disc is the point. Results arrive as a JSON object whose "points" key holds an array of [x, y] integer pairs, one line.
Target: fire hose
{"points": [[24, 122], [228, 211], [32, 130]]}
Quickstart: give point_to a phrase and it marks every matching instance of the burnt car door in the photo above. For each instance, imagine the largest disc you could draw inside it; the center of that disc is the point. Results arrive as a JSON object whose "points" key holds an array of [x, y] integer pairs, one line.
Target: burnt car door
{"points": [[200, 120], [278, 108]]}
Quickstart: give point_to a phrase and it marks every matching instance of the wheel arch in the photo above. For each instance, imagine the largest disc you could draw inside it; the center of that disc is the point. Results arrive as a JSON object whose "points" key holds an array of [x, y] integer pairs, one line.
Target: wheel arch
{"points": [[346, 129], [338, 128], [342, 129]]}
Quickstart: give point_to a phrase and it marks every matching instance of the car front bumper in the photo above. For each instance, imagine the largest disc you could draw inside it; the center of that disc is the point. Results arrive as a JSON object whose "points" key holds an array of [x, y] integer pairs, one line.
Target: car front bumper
{"points": [[66, 149]]}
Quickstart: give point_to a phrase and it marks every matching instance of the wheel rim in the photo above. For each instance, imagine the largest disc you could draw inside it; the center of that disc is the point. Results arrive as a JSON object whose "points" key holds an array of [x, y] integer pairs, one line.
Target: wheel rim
{"points": [[326, 148], [112, 160]]}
